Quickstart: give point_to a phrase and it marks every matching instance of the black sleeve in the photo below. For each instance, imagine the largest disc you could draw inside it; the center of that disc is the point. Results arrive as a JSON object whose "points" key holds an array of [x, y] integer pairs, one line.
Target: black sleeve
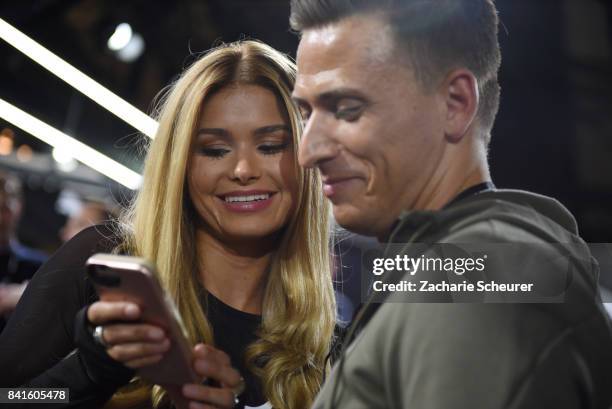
{"points": [[37, 347]]}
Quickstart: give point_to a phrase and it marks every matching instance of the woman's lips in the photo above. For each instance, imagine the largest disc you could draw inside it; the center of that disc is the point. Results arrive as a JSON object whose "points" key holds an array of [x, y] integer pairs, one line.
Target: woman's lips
{"points": [[247, 203]]}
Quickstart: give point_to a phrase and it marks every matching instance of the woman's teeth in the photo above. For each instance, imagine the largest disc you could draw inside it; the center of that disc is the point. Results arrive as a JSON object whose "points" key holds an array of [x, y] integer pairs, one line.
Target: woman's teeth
{"points": [[252, 198]]}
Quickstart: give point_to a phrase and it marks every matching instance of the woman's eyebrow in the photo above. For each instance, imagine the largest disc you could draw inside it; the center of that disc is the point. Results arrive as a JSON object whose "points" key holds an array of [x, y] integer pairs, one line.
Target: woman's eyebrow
{"points": [[272, 128], [213, 131]]}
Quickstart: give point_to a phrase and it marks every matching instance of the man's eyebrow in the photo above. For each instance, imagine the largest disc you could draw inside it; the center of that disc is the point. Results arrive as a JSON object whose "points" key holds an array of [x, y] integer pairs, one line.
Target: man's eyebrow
{"points": [[333, 95], [272, 128], [340, 93]]}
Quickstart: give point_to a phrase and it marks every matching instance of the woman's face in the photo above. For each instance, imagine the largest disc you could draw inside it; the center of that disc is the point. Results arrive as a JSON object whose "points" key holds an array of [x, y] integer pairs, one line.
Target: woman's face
{"points": [[241, 177]]}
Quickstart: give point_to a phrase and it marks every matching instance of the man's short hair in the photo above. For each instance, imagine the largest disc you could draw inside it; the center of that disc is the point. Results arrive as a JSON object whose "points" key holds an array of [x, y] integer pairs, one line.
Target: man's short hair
{"points": [[436, 35]]}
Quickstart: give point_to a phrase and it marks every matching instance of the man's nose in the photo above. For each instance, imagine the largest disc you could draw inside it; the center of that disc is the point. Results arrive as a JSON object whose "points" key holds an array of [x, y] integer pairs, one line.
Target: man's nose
{"points": [[246, 168], [316, 145]]}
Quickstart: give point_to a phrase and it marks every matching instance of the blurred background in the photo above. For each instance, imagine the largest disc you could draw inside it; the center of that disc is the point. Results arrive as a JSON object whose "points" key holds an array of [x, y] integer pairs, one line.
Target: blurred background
{"points": [[553, 134]]}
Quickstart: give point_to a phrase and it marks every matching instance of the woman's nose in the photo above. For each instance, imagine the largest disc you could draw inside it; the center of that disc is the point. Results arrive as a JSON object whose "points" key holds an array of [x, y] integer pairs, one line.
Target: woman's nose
{"points": [[246, 169]]}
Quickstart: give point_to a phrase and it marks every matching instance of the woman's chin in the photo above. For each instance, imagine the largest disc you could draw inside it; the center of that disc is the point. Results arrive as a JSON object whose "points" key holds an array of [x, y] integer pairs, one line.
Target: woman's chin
{"points": [[255, 233]]}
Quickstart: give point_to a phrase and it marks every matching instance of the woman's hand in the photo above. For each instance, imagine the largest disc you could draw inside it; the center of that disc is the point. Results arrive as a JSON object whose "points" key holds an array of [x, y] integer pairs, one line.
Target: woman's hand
{"points": [[211, 363], [128, 341]]}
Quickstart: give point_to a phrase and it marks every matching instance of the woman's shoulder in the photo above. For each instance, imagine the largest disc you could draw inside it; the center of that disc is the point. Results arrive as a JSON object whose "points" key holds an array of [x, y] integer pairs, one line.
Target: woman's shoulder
{"points": [[101, 238]]}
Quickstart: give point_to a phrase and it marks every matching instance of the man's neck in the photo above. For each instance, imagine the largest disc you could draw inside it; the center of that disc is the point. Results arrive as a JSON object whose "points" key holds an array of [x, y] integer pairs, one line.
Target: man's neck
{"points": [[463, 166]]}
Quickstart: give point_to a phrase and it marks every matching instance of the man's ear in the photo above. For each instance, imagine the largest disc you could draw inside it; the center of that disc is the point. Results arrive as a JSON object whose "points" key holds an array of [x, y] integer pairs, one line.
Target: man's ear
{"points": [[460, 92]]}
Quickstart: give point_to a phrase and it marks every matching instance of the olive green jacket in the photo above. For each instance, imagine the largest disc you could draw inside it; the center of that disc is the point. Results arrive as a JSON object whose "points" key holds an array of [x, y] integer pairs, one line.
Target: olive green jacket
{"points": [[495, 355]]}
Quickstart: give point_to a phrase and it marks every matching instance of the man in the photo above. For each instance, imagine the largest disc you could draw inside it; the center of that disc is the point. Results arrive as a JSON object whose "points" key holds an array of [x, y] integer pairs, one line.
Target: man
{"points": [[18, 263], [399, 99]]}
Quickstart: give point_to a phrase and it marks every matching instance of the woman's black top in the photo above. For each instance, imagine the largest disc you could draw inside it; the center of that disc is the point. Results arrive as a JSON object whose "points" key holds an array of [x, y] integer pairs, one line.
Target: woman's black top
{"points": [[38, 347]]}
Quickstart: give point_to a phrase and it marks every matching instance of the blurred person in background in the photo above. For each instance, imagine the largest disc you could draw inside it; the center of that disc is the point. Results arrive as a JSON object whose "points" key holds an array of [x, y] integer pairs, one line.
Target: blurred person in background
{"points": [[18, 263], [239, 233], [90, 213]]}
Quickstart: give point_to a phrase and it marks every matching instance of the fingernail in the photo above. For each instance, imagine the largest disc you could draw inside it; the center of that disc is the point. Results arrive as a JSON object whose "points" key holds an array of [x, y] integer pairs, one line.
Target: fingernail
{"points": [[156, 333], [131, 311], [203, 366], [189, 389]]}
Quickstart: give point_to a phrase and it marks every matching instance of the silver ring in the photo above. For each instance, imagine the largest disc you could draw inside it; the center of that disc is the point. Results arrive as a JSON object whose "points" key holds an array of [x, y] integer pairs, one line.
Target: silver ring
{"points": [[238, 390], [98, 336]]}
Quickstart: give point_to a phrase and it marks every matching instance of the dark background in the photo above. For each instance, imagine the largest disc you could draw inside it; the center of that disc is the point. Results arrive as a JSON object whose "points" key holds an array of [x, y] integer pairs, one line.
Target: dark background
{"points": [[553, 134]]}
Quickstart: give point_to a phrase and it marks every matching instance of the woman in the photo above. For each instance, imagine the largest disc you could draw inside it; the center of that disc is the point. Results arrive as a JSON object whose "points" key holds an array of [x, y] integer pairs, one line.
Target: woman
{"points": [[239, 234]]}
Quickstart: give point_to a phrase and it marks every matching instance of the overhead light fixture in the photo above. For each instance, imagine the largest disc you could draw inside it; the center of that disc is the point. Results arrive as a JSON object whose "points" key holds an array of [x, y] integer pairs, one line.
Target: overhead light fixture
{"points": [[70, 146], [84, 84], [63, 158], [125, 43], [120, 37]]}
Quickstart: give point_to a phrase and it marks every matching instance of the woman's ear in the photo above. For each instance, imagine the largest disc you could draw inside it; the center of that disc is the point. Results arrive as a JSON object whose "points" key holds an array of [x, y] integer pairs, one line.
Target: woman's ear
{"points": [[460, 92]]}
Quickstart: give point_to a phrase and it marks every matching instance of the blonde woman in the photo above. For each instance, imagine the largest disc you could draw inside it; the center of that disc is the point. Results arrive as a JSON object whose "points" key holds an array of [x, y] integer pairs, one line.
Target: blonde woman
{"points": [[239, 233]]}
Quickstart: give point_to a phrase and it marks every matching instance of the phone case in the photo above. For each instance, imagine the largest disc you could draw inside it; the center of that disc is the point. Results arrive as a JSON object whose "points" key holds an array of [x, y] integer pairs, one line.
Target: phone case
{"points": [[126, 278]]}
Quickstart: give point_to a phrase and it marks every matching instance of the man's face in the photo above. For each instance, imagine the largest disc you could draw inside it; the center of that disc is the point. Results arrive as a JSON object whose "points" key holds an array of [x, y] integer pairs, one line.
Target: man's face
{"points": [[375, 135]]}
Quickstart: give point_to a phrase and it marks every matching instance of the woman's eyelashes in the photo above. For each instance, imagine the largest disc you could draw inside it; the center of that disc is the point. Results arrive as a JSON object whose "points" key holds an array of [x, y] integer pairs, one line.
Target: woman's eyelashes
{"points": [[267, 148], [272, 148], [215, 153]]}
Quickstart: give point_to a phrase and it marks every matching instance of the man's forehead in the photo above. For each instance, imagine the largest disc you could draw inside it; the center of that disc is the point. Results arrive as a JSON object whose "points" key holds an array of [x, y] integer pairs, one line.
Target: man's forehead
{"points": [[353, 48]]}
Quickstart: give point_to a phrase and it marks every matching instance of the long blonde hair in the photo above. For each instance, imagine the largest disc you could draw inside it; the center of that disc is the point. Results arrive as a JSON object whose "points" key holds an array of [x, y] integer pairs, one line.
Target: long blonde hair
{"points": [[298, 312]]}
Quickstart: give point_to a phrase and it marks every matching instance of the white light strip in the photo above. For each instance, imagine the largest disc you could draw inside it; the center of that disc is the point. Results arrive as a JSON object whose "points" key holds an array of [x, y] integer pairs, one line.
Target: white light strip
{"points": [[78, 80], [76, 149]]}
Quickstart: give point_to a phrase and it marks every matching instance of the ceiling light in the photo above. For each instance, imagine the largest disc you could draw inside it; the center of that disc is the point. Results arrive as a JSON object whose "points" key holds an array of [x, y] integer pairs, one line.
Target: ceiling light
{"points": [[126, 44], [83, 153], [122, 109], [120, 38]]}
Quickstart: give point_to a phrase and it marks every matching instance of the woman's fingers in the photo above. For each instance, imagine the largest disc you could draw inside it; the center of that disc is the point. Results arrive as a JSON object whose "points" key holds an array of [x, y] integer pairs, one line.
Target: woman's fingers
{"points": [[218, 397], [127, 333], [212, 363], [142, 362], [136, 344], [136, 351], [226, 375], [102, 312], [198, 405]]}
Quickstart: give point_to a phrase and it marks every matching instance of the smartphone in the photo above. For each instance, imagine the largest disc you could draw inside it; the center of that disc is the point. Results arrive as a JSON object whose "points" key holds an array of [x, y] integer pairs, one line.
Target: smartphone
{"points": [[134, 279]]}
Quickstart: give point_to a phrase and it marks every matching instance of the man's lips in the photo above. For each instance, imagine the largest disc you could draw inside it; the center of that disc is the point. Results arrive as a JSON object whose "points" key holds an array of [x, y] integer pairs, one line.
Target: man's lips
{"points": [[333, 185]]}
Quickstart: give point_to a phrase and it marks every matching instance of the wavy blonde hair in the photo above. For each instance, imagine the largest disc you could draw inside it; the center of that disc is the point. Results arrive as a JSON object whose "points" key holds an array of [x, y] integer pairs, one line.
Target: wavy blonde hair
{"points": [[298, 312]]}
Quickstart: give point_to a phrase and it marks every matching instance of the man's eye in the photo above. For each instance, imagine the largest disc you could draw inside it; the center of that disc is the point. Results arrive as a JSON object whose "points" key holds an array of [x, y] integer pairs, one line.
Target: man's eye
{"points": [[271, 149], [304, 113], [351, 113], [214, 152]]}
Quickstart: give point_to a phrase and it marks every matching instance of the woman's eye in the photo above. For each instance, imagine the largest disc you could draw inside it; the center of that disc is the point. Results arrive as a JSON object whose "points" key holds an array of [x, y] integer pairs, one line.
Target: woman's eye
{"points": [[271, 149], [214, 152]]}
